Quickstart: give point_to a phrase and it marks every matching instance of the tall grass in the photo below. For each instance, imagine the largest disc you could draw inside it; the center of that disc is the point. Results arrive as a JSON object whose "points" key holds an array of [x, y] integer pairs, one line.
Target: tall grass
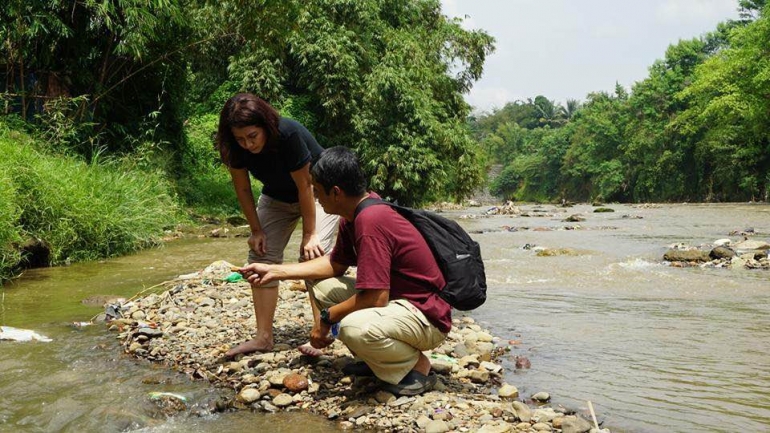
{"points": [[82, 211], [10, 232], [204, 182]]}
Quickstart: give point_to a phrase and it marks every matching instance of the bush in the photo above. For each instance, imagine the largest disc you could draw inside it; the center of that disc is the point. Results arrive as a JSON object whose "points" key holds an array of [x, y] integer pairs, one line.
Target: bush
{"points": [[80, 211]]}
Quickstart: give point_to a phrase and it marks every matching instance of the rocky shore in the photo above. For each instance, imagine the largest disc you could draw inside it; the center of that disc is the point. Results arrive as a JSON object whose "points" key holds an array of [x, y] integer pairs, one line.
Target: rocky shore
{"points": [[191, 324]]}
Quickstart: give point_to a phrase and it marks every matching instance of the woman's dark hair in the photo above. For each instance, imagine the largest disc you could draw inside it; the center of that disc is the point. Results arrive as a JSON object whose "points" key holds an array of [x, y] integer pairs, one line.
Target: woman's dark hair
{"points": [[339, 166], [243, 109]]}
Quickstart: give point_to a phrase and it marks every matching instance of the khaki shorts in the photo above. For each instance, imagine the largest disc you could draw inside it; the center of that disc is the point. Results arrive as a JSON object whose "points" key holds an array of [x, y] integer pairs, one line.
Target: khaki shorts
{"points": [[279, 219], [389, 339]]}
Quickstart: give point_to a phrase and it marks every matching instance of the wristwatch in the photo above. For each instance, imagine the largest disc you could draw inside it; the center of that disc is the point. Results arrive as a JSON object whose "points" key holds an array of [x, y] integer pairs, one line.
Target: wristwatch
{"points": [[325, 317]]}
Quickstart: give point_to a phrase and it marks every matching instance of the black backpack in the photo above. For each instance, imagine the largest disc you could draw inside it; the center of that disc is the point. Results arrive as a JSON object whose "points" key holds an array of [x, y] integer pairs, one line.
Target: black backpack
{"points": [[458, 256]]}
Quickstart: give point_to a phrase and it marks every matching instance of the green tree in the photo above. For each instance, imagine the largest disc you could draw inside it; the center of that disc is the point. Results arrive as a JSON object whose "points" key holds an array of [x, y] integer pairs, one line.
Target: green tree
{"points": [[383, 77], [727, 118]]}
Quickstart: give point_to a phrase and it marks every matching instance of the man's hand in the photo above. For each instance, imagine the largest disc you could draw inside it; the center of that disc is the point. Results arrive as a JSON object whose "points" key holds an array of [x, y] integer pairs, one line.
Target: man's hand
{"points": [[258, 274], [319, 336]]}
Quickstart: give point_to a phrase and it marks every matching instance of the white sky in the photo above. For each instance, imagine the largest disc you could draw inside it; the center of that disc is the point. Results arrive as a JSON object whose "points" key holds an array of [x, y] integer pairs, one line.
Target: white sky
{"points": [[568, 48]]}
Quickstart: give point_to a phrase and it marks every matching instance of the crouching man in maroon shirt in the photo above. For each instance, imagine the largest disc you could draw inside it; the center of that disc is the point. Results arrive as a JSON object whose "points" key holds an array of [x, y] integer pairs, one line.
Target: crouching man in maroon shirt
{"points": [[390, 312]]}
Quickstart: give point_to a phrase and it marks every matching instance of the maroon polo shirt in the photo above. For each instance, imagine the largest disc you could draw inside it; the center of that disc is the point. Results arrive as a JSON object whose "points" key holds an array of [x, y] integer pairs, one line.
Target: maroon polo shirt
{"points": [[391, 254]]}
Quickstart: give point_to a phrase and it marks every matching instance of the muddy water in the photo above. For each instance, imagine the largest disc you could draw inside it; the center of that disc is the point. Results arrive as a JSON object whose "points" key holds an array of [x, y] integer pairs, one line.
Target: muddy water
{"points": [[654, 348]]}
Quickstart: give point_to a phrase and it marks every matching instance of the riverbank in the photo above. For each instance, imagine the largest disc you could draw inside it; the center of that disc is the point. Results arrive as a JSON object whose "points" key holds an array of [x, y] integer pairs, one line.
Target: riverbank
{"points": [[60, 209], [189, 326]]}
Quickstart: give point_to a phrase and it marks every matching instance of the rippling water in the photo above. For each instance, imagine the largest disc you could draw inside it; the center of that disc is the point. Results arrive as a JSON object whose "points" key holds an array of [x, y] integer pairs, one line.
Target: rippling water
{"points": [[655, 348]]}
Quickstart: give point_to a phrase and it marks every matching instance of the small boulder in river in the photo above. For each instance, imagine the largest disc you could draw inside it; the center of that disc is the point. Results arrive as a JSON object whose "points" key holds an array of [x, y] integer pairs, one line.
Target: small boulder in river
{"points": [[752, 245], [676, 255], [722, 253]]}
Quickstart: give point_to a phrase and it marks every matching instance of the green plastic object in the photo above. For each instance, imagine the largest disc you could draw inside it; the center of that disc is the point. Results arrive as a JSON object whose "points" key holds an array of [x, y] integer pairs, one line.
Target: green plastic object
{"points": [[234, 277]]}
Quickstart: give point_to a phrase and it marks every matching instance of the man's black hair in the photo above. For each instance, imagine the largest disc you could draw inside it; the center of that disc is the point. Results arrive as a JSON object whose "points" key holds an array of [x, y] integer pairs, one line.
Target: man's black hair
{"points": [[339, 166]]}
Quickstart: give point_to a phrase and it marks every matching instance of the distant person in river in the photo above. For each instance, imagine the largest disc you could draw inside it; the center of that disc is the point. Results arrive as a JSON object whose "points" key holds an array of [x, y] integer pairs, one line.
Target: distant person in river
{"points": [[253, 138], [390, 312]]}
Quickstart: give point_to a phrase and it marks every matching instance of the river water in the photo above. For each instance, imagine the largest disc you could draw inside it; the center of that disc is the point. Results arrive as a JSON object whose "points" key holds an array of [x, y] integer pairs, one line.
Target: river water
{"points": [[654, 348]]}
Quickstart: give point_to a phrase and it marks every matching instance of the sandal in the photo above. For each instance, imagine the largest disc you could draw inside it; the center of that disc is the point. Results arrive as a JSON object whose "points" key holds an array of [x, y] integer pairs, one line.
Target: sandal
{"points": [[359, 368], [413, 383]]}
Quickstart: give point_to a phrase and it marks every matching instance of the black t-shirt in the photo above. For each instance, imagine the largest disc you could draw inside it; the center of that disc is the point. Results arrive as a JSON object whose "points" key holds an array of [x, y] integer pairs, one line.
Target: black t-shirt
{"points": [[294, 148]]}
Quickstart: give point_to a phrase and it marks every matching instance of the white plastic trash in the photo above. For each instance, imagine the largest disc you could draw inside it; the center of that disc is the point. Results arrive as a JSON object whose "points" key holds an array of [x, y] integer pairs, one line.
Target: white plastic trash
{"points": [[15, 334]]}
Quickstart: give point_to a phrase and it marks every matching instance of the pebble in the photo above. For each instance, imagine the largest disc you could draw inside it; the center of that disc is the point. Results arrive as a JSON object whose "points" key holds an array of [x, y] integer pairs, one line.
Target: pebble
{"points": [[283, 400], [295, 382], [191, 325], [249, 395], [437, 426], [508, 391]]}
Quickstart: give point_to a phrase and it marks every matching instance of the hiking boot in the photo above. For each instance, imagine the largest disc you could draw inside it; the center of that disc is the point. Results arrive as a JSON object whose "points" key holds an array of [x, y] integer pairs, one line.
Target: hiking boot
{"points": [[413, 383], [359, 368]]}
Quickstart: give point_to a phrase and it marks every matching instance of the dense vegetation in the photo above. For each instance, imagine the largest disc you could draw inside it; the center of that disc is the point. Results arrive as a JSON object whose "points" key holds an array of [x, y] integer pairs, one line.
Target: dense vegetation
{"points": [[62, 209], [696, 129], [123, 95]]}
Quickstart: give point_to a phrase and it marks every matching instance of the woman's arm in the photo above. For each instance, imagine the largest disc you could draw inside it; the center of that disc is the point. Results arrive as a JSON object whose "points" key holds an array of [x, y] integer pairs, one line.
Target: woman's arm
{"points": [[310, 247], [242, 185]]}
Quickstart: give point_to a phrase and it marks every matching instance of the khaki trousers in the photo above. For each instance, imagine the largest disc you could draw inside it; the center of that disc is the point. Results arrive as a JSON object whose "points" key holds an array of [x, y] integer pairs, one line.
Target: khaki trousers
{"points": [[279, 219], [389, 339]]}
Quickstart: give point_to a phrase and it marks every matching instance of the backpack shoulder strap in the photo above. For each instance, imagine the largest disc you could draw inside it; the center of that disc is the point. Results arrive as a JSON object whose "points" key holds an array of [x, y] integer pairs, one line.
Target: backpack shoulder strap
{"points": [[370, 201]]}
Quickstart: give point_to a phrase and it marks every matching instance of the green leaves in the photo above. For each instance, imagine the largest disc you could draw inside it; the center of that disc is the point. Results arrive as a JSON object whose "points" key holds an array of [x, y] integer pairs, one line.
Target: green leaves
{"points": [[695, 129]]}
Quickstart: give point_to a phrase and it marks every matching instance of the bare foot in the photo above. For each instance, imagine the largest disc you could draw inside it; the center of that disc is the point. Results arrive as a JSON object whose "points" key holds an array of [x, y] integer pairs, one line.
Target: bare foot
{"points": [[308, 350], [251, 346]]}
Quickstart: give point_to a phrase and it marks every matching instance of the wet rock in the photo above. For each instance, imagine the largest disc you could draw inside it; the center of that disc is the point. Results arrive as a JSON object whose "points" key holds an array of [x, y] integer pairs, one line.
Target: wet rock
{"points": [[751, 245], [552, 252], [721, 253], [249, 395], [574, 219], [541, 396], [523, 362], [575, 424], [508, 391], [676, 255], [603, 210]]}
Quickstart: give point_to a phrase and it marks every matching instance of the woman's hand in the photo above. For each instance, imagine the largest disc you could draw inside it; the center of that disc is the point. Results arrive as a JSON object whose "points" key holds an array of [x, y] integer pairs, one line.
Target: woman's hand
{"points": [[258, 242], [311, 248]]}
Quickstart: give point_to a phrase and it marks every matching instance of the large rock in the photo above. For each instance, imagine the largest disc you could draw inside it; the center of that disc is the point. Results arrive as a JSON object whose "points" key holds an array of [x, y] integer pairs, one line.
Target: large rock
{"points": [[295, 382], [508, 391], [523, 412], [751, 245], [674, 255], [722, 253], [249, 395], [575, 424]]}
